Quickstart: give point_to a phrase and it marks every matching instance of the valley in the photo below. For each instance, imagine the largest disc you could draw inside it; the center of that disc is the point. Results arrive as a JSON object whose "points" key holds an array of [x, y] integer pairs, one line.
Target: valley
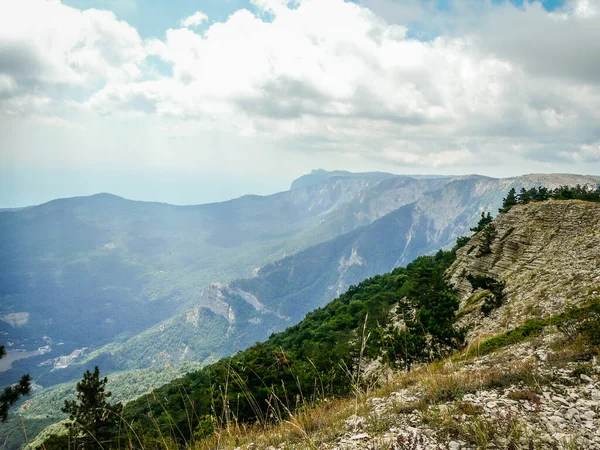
{"points": [[392, 221]]}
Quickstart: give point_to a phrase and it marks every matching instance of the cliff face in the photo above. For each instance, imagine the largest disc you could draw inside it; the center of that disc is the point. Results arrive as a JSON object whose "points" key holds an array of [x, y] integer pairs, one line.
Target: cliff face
{"points": [[548, 256]]}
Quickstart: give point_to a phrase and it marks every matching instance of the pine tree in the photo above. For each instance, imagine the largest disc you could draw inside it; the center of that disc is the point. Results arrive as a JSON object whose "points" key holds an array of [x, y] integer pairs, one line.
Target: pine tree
{"points": [[11, 394], [489, 234], [483, 222], [523, 198], [93, 420], [543, 194], [509, 201]]}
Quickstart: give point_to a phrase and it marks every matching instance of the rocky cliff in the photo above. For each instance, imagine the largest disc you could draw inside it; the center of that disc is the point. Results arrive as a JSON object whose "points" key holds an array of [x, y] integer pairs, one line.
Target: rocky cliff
{"points": [[548, 256]]}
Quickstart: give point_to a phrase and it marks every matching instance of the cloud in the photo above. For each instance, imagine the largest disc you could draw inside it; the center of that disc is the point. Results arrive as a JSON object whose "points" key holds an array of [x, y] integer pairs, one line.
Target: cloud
{"points": [[24, 104], [359, 84], [332, 77], [63, 46], [563, 44], [196, 19], [586, 153], [7, 85]]}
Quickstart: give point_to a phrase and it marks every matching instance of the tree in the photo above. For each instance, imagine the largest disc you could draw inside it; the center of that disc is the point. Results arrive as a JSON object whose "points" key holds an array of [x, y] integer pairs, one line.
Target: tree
{"points": [[489, 234], [563, 193], [495, 287], [11, 394], [509, 201], [93, 420], [428, 308], [461, 242], [524, 196], [543, 194], [483, 222]]}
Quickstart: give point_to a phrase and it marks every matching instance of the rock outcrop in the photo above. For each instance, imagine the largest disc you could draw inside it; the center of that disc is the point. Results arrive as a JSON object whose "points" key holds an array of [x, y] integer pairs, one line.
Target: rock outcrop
{"points": [[548, 256]]}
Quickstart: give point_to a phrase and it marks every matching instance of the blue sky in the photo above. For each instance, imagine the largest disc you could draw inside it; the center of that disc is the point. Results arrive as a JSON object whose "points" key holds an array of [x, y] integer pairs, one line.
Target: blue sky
{"points": [[153, 17], [136, 98]]}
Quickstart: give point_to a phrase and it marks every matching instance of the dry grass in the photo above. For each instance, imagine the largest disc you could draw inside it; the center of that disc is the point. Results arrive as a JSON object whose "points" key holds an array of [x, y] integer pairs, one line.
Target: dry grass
{"points": [[436, 383], [434, 392], [305, 429], [525, 394]]}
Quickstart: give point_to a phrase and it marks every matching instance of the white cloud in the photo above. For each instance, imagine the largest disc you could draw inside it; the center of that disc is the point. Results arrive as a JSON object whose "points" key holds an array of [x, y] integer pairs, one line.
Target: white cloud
{"points": [[24, 104], [586, 153], [7, 84], [45, 42], [330, 77], [564, 44], [196, 19], [584, 8]]}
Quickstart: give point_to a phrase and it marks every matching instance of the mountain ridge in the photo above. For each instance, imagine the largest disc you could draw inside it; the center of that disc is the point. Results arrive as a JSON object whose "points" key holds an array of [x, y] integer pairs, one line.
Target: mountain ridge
{"points": [[589, 222], [557, 177], [494, 384], [279, 295]]}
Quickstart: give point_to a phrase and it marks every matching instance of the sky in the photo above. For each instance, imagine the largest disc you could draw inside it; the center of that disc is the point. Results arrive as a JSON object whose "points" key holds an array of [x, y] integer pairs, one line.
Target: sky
{"points": [[190, 102]]}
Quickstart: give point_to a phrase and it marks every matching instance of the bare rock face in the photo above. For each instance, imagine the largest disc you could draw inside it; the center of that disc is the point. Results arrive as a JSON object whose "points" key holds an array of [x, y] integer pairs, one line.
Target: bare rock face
{"points": [[548, 256]]}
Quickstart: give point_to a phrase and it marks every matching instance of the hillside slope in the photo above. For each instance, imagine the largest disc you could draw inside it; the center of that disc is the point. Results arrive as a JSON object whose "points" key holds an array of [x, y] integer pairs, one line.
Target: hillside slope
{"points": [[523, 383], [84, 272], [230, 317], [81, 273], [280, 294], [529, 377]]}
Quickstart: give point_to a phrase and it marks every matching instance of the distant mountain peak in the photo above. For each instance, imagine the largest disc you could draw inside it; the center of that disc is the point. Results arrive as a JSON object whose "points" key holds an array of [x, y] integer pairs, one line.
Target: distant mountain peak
{"points": [[319, 176]]}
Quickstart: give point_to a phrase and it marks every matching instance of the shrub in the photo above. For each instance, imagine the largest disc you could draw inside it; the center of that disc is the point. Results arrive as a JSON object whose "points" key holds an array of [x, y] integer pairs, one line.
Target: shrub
{"points": [[495, 287], [525, 394]]}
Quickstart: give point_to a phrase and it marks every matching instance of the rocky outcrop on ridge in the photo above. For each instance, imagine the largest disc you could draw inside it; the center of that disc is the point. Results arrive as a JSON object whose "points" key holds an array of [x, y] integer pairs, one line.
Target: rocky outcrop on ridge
{"points": [[548, 256]]}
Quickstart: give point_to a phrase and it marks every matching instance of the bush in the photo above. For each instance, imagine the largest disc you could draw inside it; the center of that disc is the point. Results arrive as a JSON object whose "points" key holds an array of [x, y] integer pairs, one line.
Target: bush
{"points": [[495, 287]]}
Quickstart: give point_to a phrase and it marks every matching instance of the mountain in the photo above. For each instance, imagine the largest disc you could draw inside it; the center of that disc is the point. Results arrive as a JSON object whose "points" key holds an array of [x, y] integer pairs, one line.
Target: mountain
{"points": [[543, 255], [528, 376], [79, 273], [320, 176], [104, 280], [233, 316], [128, 285], [546, 255], [228, 317]]}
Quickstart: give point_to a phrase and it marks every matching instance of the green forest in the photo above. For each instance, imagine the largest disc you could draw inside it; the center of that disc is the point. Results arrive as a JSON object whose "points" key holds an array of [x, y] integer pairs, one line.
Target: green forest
{"points": [[578, 192], [318, 357], [315, 359]]}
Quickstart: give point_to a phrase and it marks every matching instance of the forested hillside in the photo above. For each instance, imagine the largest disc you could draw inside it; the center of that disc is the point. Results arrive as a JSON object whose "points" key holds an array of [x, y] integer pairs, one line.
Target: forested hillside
{"points": [[229, 317], [320, 356]]}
